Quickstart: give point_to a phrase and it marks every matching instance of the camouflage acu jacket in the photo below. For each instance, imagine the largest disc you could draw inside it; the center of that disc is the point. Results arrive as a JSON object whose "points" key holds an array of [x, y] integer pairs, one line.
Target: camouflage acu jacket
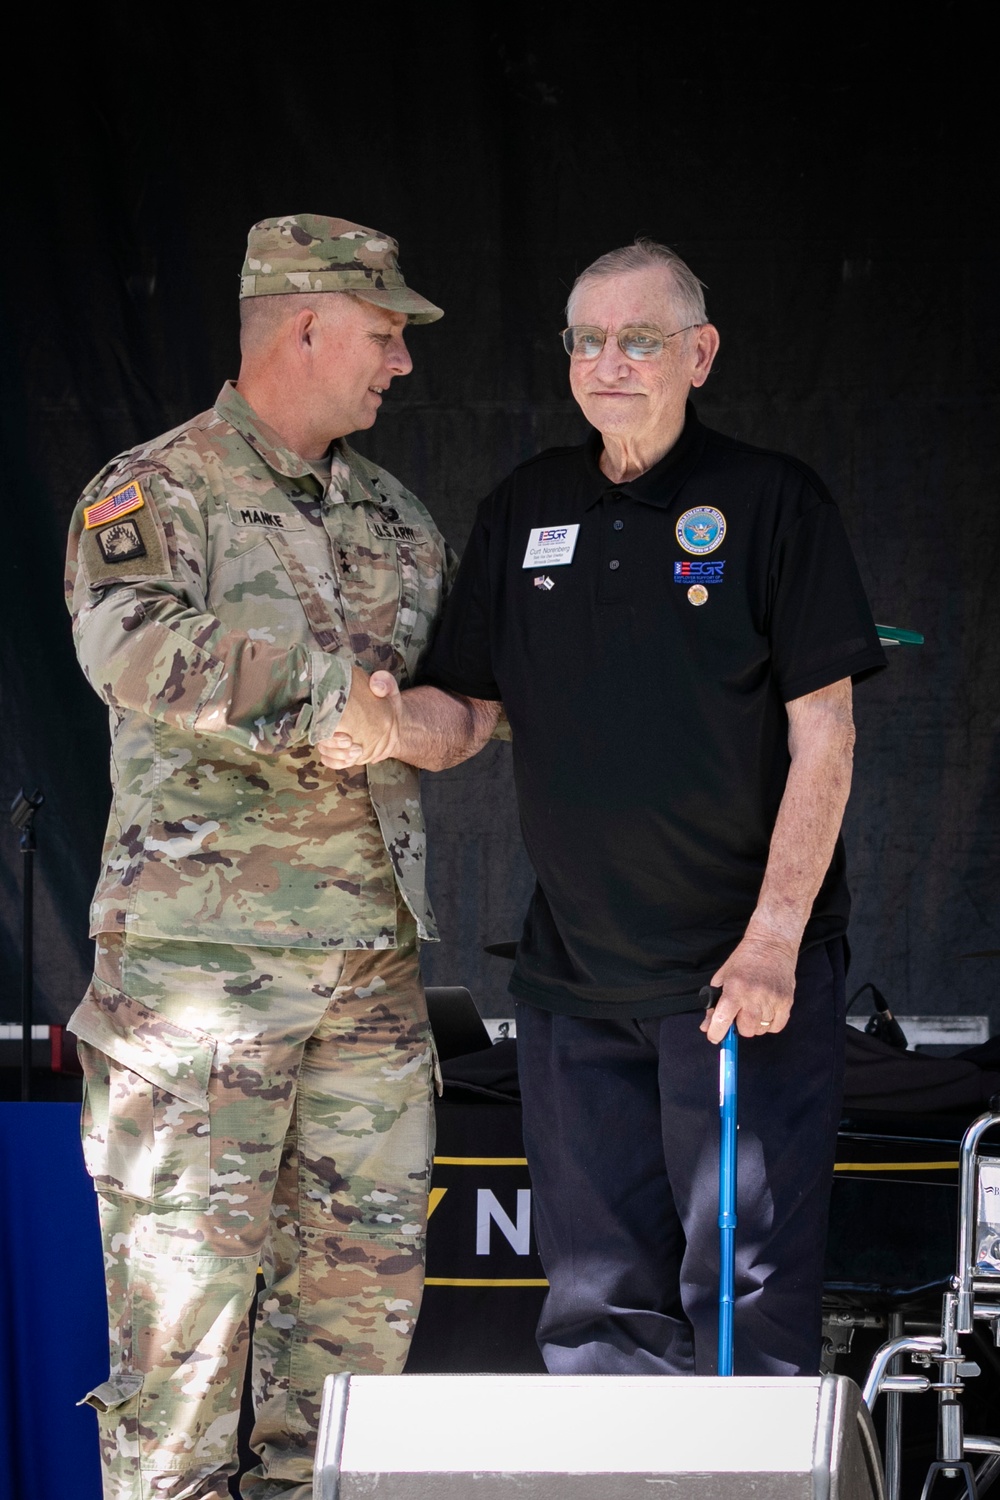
{"points": [[220, 593]]}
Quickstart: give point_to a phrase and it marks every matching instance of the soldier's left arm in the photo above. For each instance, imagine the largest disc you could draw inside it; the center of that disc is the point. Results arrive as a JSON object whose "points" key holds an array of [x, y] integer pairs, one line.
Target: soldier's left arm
{"points": [[758, 978]]}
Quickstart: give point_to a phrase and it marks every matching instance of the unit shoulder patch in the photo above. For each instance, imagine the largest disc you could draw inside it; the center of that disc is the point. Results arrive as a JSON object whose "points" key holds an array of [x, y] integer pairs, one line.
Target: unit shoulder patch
{"points": [[120, 542], [122, 550]]}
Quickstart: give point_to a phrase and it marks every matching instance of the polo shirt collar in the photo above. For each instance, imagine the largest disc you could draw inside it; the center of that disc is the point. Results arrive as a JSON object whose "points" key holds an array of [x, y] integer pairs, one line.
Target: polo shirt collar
{"points": [[661, 484]]}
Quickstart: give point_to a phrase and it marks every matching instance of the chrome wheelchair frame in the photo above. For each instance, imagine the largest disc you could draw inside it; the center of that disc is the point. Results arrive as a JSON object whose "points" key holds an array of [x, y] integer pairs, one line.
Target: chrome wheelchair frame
{"points": [[974, 1296]]}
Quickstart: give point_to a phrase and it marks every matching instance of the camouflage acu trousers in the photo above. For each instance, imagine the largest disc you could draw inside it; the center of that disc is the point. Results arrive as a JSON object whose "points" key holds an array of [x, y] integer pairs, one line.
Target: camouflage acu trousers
{"points": [[250, 1107]]}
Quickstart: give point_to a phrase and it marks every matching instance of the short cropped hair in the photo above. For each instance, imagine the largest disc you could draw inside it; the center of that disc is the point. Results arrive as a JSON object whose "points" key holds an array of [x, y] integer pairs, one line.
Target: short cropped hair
{"points": [[688, 290], [261, 317]]}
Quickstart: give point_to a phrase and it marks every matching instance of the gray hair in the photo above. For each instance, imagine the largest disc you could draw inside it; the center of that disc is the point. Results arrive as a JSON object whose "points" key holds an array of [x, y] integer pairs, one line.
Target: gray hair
{"points": [[688, 291]]}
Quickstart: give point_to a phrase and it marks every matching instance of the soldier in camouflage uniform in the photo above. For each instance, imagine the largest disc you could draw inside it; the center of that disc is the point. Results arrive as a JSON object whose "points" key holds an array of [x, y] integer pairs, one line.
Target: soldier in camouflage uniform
{"points": [[259, 1083]]}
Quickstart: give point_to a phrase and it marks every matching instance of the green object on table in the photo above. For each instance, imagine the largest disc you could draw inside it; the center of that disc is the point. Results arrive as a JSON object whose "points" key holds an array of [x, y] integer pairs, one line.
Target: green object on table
{"points": [[890, 636]]}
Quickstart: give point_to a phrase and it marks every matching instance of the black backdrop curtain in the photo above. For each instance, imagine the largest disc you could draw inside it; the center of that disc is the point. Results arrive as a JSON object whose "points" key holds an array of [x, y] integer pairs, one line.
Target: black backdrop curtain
{"points": [[836, 193]]}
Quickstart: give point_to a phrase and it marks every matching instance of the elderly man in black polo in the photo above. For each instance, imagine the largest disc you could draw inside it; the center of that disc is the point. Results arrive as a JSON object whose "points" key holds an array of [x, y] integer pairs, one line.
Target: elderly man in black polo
{"points": [[672, 621]]}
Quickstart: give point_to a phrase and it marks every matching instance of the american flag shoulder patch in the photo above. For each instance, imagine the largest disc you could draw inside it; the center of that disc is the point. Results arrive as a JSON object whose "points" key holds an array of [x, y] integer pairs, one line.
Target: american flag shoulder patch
{"points": [[119, 503]]}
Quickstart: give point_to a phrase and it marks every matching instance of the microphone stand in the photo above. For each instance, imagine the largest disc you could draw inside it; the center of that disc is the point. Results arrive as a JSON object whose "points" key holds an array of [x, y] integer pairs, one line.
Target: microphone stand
{"points": [[22, 817]]}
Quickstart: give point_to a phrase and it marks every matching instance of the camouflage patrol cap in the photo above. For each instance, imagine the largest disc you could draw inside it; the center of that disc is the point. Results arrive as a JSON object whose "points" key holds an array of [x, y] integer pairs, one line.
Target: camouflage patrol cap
{"points": [[312, 253]]}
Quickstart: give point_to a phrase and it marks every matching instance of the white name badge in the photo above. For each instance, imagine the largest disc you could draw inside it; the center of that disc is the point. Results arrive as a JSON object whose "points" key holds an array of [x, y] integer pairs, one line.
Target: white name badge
{"points": [[550, 546]]}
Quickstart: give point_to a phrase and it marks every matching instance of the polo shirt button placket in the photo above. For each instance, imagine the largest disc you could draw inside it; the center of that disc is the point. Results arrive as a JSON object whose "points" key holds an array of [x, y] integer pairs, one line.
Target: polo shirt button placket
{"points": [[613, 568]]}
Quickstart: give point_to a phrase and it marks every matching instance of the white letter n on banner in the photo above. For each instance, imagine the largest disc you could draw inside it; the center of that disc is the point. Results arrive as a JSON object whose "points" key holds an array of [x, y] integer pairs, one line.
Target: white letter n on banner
{"points": [[518, 1235]]}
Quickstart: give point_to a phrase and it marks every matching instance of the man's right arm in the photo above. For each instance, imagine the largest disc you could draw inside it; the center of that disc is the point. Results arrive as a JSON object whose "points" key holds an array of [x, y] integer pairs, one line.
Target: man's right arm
{"points": [[424, 726], [148, 643]]}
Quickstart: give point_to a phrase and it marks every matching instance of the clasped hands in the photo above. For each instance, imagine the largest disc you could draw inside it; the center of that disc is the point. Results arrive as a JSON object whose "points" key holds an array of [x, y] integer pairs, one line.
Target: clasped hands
{"points": [[369, 726]]}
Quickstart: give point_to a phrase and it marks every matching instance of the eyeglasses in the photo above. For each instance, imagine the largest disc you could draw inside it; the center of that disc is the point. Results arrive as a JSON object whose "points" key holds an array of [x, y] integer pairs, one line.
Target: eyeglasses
{"points": [[637, 341]]}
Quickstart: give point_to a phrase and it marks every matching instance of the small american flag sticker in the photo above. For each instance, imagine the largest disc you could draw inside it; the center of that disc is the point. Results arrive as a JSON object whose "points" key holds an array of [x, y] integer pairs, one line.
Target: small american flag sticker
{"points": [[119, 503]]}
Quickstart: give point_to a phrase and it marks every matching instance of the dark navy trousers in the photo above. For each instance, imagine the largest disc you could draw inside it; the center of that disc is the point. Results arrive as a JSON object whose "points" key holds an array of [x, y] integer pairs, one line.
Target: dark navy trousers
{"points": [[621, 1129]]}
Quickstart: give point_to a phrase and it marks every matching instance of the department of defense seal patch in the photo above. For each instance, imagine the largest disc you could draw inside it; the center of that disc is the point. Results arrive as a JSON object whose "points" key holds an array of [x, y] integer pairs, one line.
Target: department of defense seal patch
{"points": [[701, 529], [120, 542]]}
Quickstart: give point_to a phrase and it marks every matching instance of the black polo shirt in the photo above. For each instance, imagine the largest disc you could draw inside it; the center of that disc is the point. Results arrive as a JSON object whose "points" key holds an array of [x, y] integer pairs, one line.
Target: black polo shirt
{"points": [[644, 660]]}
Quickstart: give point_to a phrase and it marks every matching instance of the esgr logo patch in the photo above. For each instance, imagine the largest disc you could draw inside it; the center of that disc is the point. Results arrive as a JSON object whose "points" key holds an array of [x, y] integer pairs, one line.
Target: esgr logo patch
{"points": [[699, 572]]}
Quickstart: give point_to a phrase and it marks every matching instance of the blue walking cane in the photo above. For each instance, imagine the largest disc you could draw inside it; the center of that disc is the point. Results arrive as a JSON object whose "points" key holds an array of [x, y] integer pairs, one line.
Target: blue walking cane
{"points": [[727, 1184]]}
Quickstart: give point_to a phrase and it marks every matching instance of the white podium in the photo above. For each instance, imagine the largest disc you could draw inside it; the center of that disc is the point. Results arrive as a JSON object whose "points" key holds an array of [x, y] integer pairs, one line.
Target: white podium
{"points": [[510, 1437]]}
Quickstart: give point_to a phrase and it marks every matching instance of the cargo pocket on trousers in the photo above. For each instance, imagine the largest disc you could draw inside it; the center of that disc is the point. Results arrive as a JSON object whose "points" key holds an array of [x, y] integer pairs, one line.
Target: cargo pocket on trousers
{"points": [[145, 1110], [114, 1393]]}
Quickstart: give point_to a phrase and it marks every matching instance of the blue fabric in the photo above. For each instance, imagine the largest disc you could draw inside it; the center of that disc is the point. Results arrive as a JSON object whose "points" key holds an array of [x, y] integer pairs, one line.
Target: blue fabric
{"points": [[53, 1324]]}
